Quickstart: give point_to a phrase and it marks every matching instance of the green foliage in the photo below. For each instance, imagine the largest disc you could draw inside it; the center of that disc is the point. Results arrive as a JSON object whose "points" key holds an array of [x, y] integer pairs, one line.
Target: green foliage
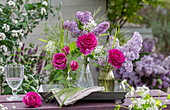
{"points": [[17, 20], [123, 11]]}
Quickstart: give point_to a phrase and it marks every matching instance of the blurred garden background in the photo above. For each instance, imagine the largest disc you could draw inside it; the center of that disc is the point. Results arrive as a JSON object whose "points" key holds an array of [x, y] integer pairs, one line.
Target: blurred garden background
{"points": [[149, 17]]}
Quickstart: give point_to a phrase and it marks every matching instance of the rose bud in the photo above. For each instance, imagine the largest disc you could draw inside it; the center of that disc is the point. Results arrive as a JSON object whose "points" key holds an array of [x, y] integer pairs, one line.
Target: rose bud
{"points": [[66, 50], [74, 65]]}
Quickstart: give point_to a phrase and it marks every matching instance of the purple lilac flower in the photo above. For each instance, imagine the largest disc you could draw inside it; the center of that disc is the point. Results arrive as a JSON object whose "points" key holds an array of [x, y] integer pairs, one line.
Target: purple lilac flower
{"points": [[148, 45], [166, 63], [84, 17], [101, 28]]}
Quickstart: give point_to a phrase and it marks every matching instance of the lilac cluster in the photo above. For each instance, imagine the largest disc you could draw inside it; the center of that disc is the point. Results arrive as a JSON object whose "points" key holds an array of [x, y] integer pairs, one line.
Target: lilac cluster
{"points": [[84, 17], [131, 50], [146, 72], [148, 45], [166, 63], [87, 25], [72, 27], [102, 27]]}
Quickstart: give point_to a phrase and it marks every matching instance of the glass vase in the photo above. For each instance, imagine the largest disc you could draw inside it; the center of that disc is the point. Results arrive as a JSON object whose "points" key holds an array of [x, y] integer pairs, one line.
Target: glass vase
{"points": [[106, 79], [85, 79]]}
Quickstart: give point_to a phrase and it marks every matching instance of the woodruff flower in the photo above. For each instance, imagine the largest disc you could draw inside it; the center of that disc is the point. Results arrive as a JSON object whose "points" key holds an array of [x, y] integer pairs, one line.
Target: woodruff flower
{"points": [[2, 36], [11, 3], [6, 27], [43, 11], [44, 3], [2, 69]]}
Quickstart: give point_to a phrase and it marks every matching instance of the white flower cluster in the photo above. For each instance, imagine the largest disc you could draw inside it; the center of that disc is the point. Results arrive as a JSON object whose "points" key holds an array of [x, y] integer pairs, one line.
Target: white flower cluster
{"points": [[1, 60], [16, 33], [50, 47], [98, 49], [43, 11], [14, 21], [6, 27], [3, 48], [91, 25], [11, 3], [2, 107], [2, 36], [2, 69], [45, 3], [1, 10]]}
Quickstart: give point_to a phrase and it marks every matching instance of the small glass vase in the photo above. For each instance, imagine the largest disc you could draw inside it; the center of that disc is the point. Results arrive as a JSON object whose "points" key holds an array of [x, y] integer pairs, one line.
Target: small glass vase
{"points": [[106, 79], [85, 79]]}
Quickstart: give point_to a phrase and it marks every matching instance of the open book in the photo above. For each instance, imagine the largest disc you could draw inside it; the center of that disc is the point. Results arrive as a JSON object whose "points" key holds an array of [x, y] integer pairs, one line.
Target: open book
{"points": [[76, 96]]}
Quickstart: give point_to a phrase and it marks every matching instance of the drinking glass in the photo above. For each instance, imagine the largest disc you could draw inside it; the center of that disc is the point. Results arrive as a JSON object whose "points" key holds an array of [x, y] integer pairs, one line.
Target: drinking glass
{"points": [[14, 74]]}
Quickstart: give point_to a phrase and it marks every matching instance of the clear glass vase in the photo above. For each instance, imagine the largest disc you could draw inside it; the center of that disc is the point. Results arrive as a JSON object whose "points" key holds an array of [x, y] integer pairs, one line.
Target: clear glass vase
{"points": [[85, 79], [107, 80]]}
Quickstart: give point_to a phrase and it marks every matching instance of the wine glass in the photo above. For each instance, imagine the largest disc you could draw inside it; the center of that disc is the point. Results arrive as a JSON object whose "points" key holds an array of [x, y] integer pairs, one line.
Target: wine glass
{"points": [[14, 74]]}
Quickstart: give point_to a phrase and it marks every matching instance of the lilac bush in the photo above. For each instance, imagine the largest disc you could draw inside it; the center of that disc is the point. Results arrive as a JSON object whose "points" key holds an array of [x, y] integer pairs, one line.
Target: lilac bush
{"points": [[151, 70]]}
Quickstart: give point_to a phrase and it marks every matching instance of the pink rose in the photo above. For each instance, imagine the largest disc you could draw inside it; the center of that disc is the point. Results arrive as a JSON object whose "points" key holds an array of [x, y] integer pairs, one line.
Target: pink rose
{"points": [[116, 58], [66, 50], [32, 99], [59, 61], [74, 65], [86, 43]]}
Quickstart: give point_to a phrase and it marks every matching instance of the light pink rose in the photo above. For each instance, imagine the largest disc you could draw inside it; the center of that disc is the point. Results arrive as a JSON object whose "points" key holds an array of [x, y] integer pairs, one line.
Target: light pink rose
{"points": [[116, 58], [59, 61], [86, 43], [66, 50], [32, 99], [74, 65]]}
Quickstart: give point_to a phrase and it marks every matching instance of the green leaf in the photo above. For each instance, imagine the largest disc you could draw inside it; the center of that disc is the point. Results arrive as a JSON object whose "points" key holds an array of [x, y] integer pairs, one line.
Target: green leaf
{"points": [[72, 46], [33, 88], [164, 106], [48, 67], [168, 97], [43, 40], [26, 6], [159, 81]]}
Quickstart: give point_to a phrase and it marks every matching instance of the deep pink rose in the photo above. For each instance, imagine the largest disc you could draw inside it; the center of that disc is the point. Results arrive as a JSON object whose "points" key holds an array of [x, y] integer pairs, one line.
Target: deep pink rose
{"points": [[116, 58], [74, 65], [66, 50], [86, 43], [59, 61], [32, 99]]}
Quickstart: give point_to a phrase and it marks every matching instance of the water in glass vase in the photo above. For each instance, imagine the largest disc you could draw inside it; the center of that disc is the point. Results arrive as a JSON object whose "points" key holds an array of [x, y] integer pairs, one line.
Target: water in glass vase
{"points": [[14, 82], [106, 79]]}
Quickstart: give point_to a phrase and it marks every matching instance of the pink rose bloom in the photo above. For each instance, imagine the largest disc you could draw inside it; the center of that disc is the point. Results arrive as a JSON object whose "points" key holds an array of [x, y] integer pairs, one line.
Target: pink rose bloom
{"points": [[59, 61], [32, 99], [66, 50], [74, 65], [116, 58], [86, 43]]}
